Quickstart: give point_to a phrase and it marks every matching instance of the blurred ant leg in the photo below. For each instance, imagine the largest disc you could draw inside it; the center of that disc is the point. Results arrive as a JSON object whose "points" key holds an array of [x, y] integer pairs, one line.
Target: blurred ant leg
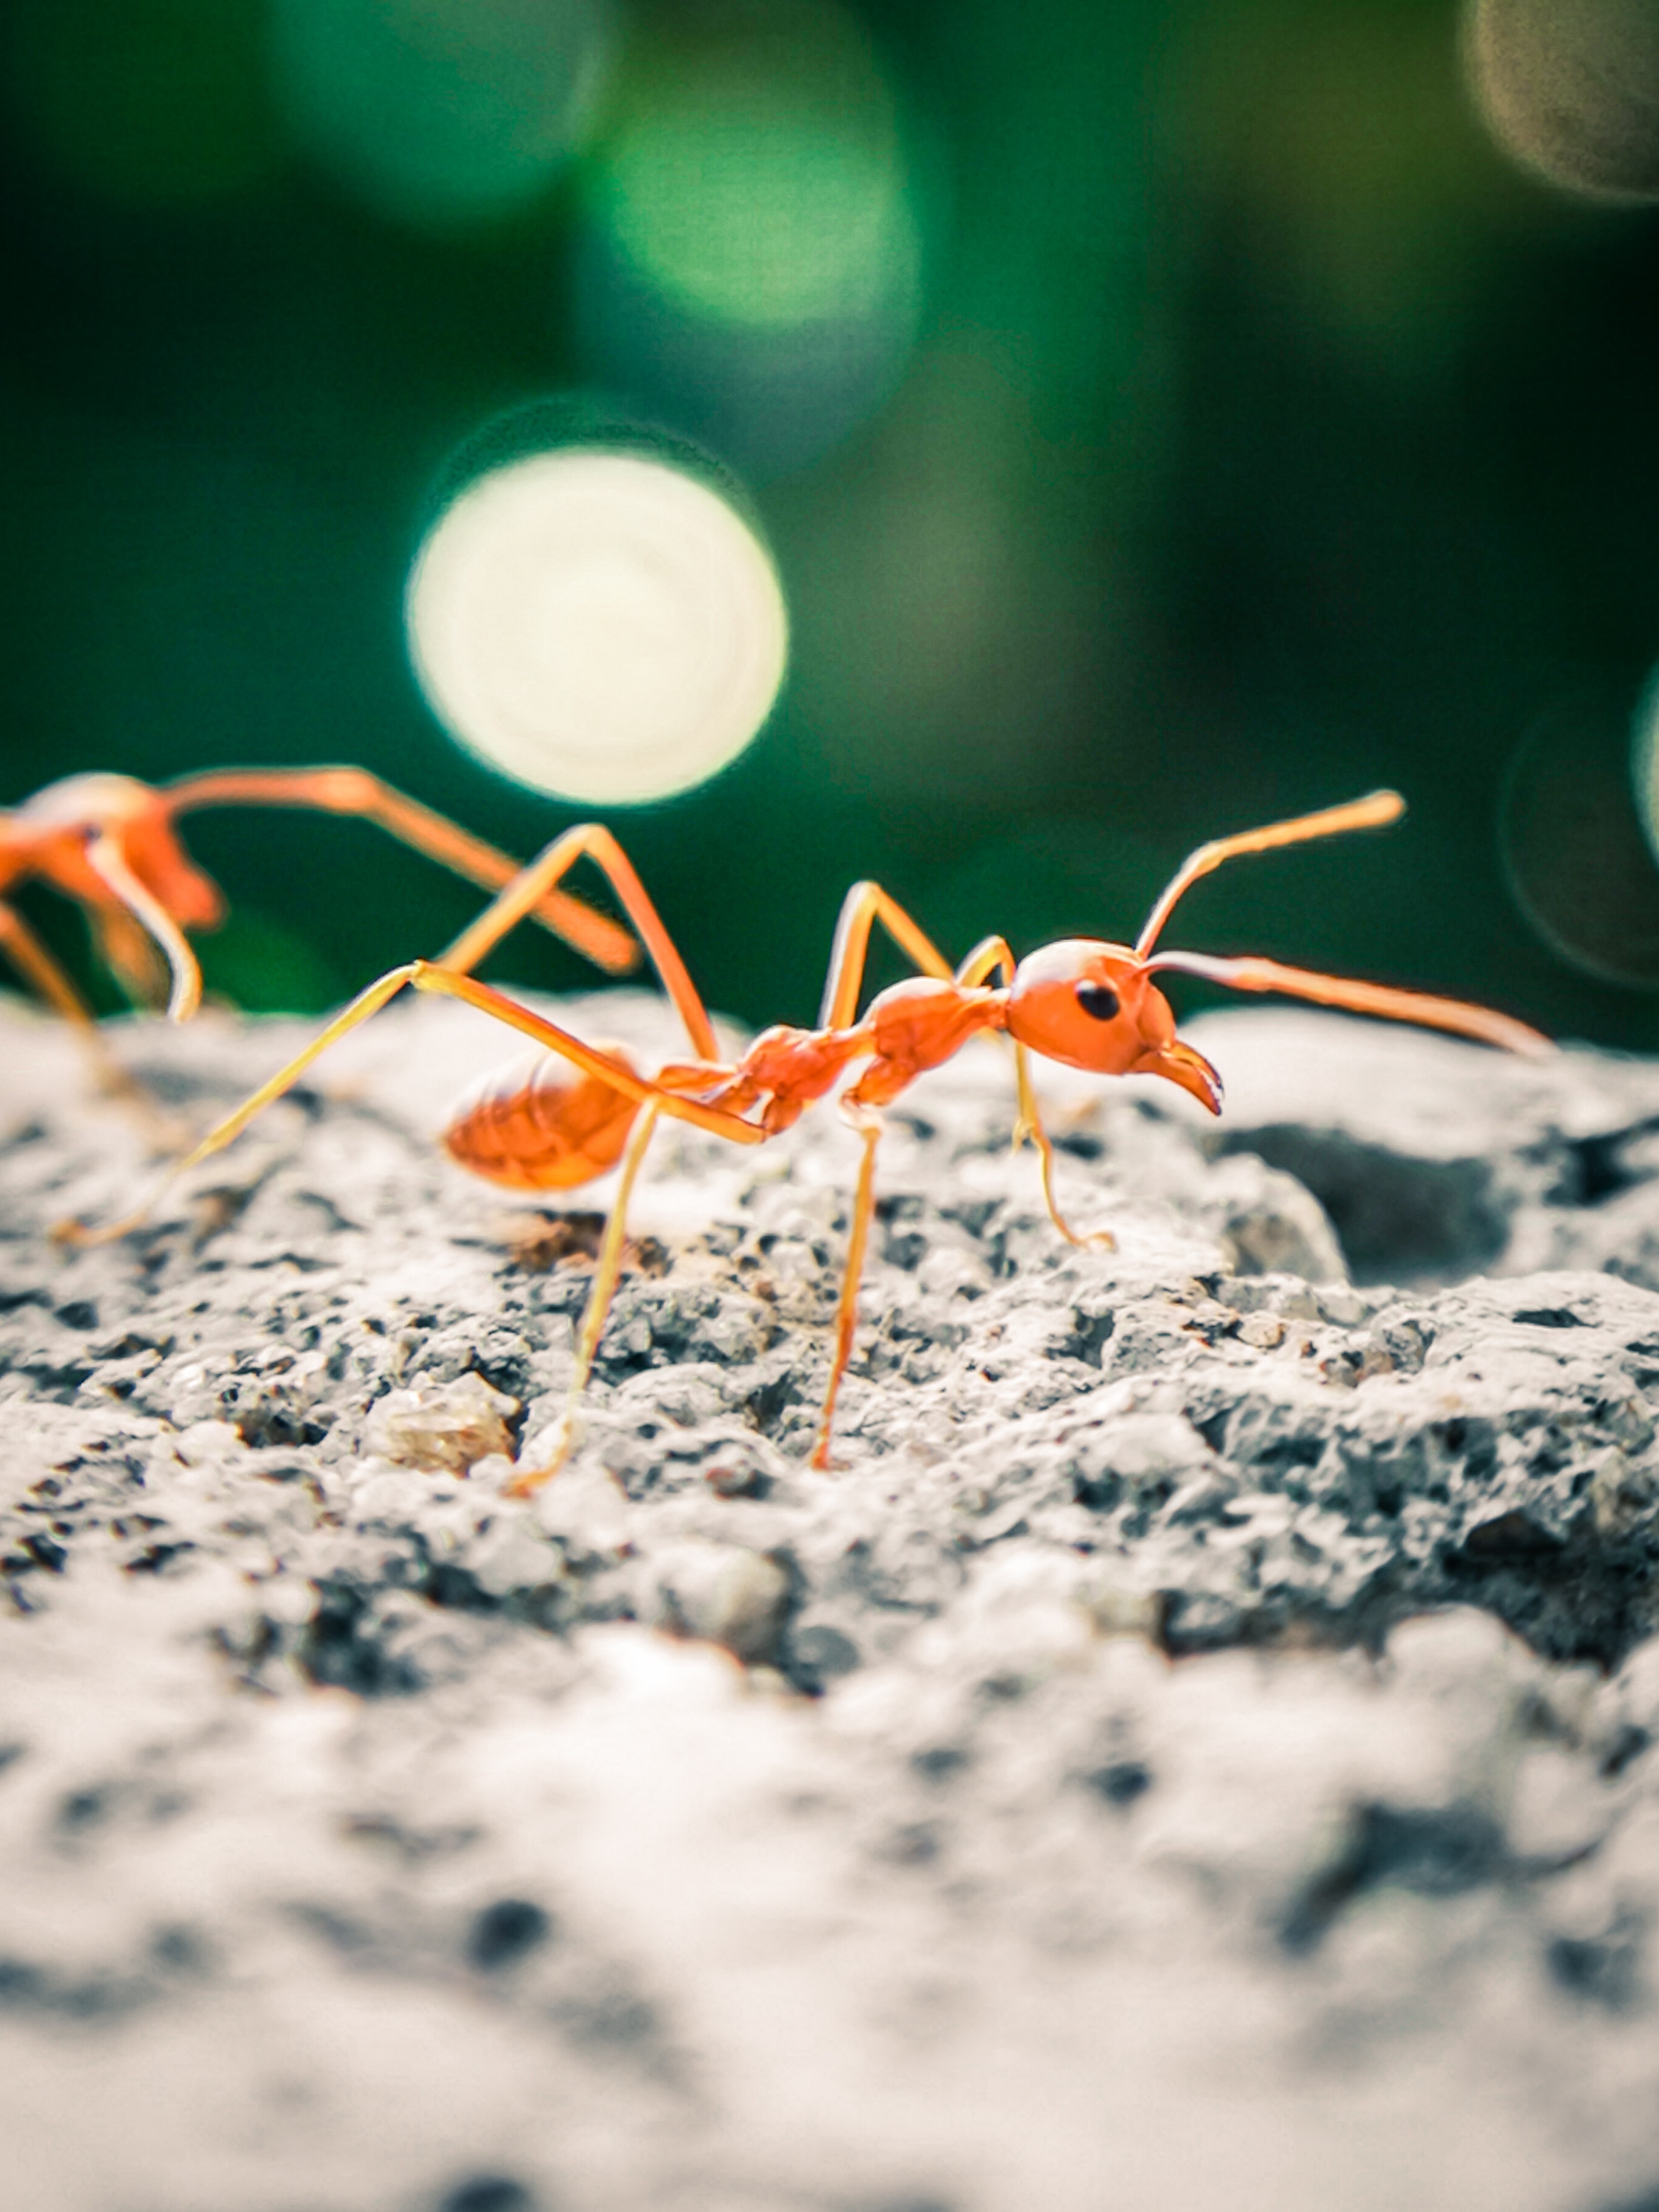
{"points": [[864, 905], [991, 954], [354, 792], [36, 965], [589, 841], [606, 1271], [225, 1132], [868, 1126], [1479, 1023], [1371, 813], [424, 976], [105, 858]]}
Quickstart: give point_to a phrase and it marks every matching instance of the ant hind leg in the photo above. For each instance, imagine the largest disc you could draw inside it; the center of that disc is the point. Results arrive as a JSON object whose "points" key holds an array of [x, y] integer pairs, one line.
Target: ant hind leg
{"points": [[424, 976], [37, 966]]}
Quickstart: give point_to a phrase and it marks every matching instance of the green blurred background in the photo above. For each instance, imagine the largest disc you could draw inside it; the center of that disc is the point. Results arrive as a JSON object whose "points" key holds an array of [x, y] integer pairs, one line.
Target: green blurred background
{"points": [[1165, 415]]}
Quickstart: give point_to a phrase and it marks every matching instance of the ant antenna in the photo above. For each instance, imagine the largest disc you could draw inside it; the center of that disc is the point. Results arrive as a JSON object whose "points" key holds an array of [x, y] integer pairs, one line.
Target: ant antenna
{"points": [[1371, 813]]}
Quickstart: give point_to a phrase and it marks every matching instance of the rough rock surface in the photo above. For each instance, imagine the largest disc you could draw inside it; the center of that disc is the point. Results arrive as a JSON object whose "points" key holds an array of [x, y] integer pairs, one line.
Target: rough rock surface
{"points": [[1196, 1748]]}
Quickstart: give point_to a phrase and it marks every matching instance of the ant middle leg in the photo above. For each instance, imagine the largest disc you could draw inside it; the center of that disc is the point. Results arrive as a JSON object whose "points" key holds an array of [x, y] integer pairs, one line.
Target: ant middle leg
{"points": [[869, 1126], [992, 956], [864, 905]]}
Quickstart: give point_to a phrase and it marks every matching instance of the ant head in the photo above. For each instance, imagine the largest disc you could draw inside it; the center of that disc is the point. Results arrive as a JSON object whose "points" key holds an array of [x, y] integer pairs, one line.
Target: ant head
{"points": [[1094, 1005], [135, 818]]}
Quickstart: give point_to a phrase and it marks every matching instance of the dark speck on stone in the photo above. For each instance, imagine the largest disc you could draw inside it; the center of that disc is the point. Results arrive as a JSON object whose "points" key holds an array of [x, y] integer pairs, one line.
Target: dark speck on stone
{"points": [[1604, 1971], [937, 1762], [20, 1983], [506, 1932], [1438, 1851], [84, 1809], [1626, 1748], [487, 2192], [823, 1650], [1120, 1782]]}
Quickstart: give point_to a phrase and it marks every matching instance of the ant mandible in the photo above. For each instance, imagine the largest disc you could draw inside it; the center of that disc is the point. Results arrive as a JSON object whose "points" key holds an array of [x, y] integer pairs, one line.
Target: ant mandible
{"points": [[1084, 1003]]}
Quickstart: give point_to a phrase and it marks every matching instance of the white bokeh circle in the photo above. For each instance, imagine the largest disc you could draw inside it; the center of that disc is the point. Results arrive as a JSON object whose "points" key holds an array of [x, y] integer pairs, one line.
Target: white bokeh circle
{"points": [[597, 624]]}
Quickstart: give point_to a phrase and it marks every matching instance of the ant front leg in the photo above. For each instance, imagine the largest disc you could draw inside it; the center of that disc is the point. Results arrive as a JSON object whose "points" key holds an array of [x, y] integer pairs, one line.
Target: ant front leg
{"points": [[991, 956], [1030, 1125]]}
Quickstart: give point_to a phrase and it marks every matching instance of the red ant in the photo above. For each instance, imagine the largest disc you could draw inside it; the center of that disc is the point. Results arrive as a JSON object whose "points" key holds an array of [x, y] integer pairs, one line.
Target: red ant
{"points": [[108, 842], [1083, 1003]]}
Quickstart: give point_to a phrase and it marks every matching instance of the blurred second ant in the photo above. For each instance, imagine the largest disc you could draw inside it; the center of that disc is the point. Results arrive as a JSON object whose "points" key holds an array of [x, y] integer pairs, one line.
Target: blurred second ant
{"points": [[110, 843]]}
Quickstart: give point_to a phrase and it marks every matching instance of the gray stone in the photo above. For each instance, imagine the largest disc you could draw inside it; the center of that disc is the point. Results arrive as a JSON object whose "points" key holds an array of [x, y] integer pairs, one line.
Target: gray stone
{"points": [[1197, 1744]]}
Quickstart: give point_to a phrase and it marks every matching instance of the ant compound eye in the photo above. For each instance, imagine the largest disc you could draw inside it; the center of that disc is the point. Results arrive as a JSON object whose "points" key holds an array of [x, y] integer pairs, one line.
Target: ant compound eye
{"points": [[1098, 1000]]}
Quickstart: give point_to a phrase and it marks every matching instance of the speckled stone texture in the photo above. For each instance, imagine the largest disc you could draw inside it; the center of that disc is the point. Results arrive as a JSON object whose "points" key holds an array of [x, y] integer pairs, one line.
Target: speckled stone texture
{"points": [[1195, 1748]]}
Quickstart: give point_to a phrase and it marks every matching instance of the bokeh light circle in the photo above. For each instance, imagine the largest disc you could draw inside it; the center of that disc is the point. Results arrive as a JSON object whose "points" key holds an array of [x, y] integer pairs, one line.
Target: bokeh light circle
{"points": [[765, 189], [442, 113], [1644, 763], [598, 624], [1573, 844], [751, 251], [1570, 90]]}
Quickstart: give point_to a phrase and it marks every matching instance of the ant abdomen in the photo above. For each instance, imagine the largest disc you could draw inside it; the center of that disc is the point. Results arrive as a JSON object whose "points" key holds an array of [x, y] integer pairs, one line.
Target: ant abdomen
{"points": [[533, 1126]]}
